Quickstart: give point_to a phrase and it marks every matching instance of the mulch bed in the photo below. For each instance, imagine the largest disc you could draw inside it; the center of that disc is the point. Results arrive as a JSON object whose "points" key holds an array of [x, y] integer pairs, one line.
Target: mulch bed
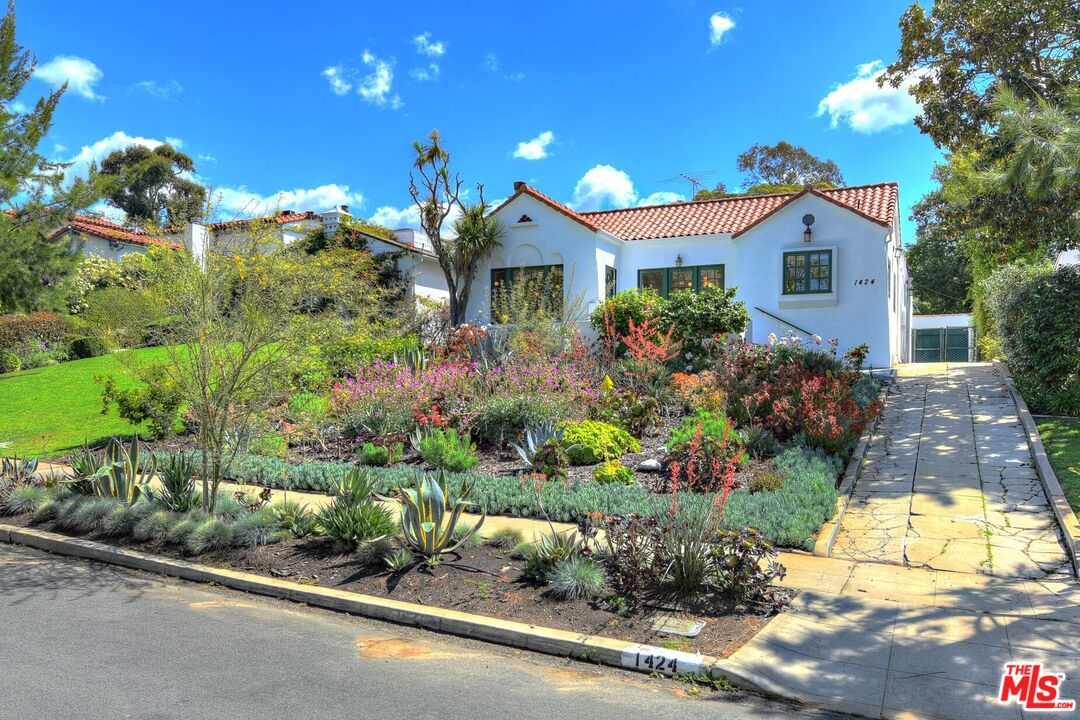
{"points": [[481, 580]]}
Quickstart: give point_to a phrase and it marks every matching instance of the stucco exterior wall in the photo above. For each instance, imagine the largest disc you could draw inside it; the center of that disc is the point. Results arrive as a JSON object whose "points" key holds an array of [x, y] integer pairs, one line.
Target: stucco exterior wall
{"points": [[100, 247]]}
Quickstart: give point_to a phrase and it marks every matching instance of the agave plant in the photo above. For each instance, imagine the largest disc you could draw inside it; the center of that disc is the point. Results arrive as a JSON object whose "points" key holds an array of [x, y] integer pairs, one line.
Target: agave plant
{"points": [[536, 438], [429, 516], [16, 471], [414, 359], [125, 472], [84, 466]]}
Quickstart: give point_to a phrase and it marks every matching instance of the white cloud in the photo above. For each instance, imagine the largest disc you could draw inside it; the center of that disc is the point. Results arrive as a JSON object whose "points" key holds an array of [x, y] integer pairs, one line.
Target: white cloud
{"points": [[338, 84], [174, 141], [491, 62], [535, 149], [719, 25], [867, 108], [431, 72], [515, 77], [662, 197], [206, 157], [393, 218], [240, 202], [18, 108], [59, 149], [160, 90], [376, 87], [604, 186], [97, 151], [79, 73], [425, 45]]}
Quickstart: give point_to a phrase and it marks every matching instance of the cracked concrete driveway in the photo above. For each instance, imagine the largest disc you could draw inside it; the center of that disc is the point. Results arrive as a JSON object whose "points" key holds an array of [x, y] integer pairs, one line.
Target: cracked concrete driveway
{"points": [[948, 482]]}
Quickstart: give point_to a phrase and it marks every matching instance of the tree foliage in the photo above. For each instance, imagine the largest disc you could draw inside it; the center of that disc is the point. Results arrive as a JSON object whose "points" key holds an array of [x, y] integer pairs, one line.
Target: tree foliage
{"points": [[34, 265], [786, 164], [939, 268], [153, 185], [956, 52]]}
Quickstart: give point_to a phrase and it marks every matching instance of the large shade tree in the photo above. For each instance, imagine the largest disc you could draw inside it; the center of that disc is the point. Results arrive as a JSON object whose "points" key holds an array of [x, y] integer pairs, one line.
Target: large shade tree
{"points": [[34, 265], [153, 185]]}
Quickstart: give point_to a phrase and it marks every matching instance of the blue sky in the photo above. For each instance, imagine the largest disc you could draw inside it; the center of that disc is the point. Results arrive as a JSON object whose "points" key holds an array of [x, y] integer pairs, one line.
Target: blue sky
{"points": [[595, 103]]}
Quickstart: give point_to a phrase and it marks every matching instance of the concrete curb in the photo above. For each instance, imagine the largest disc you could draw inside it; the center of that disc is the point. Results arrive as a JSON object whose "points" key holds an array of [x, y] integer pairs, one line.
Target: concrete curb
{"points": [[826, 538], [561, 643], [1066, 518]]}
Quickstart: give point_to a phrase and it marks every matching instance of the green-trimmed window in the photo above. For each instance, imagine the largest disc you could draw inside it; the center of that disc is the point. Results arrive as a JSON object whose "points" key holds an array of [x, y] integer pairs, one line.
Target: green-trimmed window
{"points": [[808, 272], [694, 277], [526, 289]]}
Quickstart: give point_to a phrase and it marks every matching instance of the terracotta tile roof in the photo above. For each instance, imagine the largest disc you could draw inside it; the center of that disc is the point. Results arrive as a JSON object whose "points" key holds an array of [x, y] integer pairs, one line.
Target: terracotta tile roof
{"points": [[733, 215], [99, 227], [521, 188], [283, 218]]}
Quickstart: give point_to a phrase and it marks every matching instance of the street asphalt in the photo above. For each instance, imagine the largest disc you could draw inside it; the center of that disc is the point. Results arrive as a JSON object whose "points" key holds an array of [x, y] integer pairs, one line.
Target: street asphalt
{"points": [[84, 640]]}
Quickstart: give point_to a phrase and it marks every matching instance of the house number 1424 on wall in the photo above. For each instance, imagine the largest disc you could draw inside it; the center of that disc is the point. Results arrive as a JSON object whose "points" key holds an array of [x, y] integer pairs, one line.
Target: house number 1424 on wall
{"points": [[865, 281]]}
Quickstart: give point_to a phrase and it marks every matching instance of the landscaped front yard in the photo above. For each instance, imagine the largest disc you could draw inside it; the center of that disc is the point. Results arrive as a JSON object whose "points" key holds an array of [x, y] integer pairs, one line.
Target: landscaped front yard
{"points": [[1061, 436]]}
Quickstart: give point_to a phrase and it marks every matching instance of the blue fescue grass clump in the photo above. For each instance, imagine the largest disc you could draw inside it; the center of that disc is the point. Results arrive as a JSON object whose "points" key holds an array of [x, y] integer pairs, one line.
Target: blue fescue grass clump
{"points": [[790, 516]]}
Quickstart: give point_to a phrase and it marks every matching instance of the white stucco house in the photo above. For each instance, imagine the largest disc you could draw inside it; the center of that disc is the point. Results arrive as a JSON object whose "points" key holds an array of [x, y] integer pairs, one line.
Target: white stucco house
{"points": [[814, 262], [103, 238]]}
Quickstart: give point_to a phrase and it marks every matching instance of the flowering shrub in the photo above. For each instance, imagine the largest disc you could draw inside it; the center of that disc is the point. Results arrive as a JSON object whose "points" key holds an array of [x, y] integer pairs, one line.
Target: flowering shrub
{"points": [[700, 391], [495, 401], [820, 408], [633, 412], [25, 335]]}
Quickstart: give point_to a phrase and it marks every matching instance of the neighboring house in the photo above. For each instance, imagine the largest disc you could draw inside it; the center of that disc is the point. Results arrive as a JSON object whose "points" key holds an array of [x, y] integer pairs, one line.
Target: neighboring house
{"points": [[102, 238], [815, 262], [1067, 257]]}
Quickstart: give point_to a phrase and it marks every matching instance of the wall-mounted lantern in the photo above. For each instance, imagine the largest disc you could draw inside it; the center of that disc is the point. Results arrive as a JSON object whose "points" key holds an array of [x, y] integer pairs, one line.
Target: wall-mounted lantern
{"points": [[678, 260], [808, 234]]}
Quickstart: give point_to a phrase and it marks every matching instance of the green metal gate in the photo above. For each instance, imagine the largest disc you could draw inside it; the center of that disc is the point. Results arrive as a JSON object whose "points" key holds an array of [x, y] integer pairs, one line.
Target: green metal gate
{"points": [[945, 344]]}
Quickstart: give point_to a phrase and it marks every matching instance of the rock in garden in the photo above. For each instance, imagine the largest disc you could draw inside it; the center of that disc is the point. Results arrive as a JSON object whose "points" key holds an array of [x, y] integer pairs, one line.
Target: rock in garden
{"points": [[650, 465]]}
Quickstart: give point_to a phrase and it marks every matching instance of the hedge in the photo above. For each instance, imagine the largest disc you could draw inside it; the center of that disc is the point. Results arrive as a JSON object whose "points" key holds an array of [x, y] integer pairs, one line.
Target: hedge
{"points": [[790, 516]]}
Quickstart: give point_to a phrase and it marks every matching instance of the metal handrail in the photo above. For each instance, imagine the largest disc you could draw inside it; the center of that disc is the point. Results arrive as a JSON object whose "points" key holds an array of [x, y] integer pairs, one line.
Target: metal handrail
{"points": [[789, 324]]}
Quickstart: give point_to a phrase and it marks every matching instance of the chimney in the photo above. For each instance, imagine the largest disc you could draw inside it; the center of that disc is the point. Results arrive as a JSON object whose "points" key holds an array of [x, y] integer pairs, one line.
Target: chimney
{"points": [[518, 184], [197, 241], [345, 209], [286, 212]]}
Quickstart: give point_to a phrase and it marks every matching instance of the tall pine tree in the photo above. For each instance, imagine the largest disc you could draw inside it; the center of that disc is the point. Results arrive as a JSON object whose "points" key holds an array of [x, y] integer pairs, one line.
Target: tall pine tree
{"points": [[33, 267]]}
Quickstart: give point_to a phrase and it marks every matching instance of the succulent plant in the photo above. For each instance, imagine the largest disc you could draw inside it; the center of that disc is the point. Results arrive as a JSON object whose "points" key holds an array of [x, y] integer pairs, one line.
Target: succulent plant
{"points": [[429, 517]]}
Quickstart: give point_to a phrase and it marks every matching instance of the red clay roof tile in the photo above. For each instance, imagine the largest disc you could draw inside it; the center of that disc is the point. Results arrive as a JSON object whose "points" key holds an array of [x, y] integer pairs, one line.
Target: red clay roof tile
{"points": [[280, 219], [99, 227]]}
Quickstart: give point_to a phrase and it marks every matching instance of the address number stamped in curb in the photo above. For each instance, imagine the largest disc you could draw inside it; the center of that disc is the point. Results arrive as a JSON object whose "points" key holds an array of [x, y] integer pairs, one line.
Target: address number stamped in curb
{"points": [[649, 658]]}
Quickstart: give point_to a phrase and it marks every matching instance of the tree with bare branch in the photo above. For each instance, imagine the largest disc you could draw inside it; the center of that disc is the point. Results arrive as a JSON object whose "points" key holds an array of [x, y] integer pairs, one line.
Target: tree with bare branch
{"points": [[437, 194]]}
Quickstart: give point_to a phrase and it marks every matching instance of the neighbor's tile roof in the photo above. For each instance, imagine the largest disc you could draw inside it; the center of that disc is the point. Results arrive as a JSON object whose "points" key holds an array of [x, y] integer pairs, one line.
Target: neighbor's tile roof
{"points": [[732, 215], [99, 227], [282, 218]]}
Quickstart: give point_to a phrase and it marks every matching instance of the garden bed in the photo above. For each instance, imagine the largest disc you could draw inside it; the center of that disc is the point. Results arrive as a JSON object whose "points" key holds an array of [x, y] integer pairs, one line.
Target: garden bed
{"points": [[482, 580]]}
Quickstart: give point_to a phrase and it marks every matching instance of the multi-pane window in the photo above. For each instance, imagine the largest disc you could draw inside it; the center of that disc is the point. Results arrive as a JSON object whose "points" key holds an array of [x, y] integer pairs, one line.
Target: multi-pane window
{"points": [[807, 272], [525, 290], [611, 284], [668, 280]]}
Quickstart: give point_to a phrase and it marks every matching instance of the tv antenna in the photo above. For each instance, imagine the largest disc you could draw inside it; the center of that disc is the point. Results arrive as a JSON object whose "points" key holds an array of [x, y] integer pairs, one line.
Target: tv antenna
{"points": [[696, 179]]}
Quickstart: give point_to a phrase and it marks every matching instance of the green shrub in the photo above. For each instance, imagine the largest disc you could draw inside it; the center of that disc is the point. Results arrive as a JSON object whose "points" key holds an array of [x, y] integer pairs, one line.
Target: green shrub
{"points": [[547, 553], [176, 475], [507, 537], [576, 578], [701, 315], [37, 329], [381, 455], [591, 441], [180, 532], [630, 304], [157, 403], [212, 534], [24, 499], [501, 418], [446, 450], [9, 362], [464, 536], [613, 471], [294, 518], [155, 526], [307, 406], [522, 551], [49, 510], [258, 528], [633, 412], [761, 443], [1037, 320], [45, 358], [91, 514], [122, 520], [87, 347], [703, 446]]}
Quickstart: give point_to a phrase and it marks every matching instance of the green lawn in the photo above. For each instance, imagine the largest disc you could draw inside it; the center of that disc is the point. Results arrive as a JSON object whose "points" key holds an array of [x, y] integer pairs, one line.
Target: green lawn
{"points": [[51, 410], [1062, 440]]}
